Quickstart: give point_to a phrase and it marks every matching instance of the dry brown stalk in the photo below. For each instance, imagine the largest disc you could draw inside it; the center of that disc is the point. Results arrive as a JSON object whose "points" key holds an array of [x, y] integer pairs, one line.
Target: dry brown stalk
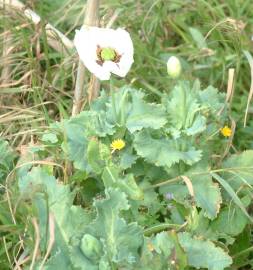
{"points": [[94, 87], [91, 19], [7, 48]]}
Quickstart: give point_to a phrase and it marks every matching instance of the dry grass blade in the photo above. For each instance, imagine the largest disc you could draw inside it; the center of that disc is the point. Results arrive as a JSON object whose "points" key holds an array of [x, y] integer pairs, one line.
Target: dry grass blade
{"points": [[51, 239], [20, 81], [37, 242], [232, 193], [15, 118], [230, 89], [6, 251], [56, 39], [189, 185], [22, 260], [250, 60], [113, 18]]}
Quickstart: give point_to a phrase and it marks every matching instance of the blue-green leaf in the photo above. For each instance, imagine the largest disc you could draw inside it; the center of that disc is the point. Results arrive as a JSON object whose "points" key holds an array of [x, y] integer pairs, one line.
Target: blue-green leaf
{"points": [[162, 152], [203, 253], [145, 115]]}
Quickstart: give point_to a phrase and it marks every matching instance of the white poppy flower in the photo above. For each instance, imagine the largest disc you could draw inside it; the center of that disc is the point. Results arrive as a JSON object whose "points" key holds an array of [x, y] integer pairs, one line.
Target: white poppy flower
{"points": [[104, 51]]}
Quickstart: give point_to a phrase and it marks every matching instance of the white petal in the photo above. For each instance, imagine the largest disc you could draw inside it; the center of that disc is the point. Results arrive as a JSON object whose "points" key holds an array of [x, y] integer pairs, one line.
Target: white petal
{"points": [[123, 42], [124, 47], [113, 67], [89, 38], [125, 64]]}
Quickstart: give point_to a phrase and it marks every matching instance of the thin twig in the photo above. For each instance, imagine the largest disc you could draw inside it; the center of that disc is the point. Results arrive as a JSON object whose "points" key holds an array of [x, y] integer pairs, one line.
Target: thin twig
{"points": [[93, 90], [79, 93], [91, 19]]}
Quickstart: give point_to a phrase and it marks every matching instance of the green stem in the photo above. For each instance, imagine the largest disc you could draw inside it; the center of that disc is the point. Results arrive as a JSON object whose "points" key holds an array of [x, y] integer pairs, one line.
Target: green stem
{"points": [[178, 178], [164, 183], [122, 108], [162, 227], [151, 88], [113, 102], [243, 263], [245, 251]]}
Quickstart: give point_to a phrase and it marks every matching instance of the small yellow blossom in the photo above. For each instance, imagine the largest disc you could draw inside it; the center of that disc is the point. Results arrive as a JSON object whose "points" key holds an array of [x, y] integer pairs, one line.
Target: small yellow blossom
{"points": [[226, 131], [118, 144], [150, 247]]}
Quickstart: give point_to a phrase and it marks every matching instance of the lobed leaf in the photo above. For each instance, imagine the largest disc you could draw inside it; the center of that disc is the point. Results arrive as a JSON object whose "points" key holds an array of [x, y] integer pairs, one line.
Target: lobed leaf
{"points": [[203, 253], [145, 115], [49, 196], [121, 240], [162, 152]]}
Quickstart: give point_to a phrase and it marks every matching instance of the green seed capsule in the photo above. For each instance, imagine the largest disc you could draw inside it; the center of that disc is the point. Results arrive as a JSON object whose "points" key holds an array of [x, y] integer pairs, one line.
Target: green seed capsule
{"points": [[91, 247]]}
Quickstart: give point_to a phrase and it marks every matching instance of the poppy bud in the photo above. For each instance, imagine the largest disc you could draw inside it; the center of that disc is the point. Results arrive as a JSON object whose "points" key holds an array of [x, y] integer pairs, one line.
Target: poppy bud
{"points": [[174, 67]]}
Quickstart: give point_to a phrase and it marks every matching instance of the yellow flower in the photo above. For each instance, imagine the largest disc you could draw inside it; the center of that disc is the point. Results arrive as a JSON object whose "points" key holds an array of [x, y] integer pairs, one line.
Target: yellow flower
{"points": [[226, 131], [150, 247], [118, 144]]}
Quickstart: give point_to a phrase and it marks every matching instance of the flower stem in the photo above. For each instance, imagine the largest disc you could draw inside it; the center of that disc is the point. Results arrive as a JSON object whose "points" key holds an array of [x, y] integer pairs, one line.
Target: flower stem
{"points": [[245, 251], [112, 93], [163, 227], [91, 19], [152, 89]]}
